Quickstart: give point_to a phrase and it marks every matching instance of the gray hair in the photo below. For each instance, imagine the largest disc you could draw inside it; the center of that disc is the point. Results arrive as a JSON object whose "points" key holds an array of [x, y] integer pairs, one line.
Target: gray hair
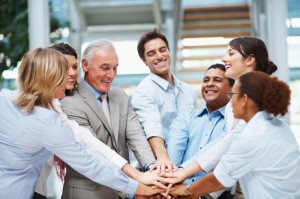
{"points": [[88, 53]]}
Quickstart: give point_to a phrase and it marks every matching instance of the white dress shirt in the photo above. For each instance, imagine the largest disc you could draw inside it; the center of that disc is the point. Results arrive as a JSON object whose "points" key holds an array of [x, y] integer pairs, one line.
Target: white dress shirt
{"points": [[264, 158]]}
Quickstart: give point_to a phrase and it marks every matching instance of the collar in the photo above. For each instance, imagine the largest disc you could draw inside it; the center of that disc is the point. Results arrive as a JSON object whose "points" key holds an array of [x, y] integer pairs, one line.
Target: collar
{"points": [[164, 83], [95, 93], [215, 113]]}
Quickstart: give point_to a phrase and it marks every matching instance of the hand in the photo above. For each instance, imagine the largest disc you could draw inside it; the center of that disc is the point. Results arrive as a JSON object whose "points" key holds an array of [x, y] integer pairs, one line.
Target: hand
{"points": [[162, 164], [152, 178], [141, 197], [162, 196], [179, 190], [175, 177]]}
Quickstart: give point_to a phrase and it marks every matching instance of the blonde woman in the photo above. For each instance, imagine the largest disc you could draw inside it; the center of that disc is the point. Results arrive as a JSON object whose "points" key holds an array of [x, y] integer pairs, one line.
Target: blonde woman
{"points": [[30, 131]]}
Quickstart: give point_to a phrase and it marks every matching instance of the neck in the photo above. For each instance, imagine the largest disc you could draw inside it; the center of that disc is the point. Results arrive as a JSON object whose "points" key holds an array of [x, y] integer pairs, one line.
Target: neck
{"points": [[168, 77]]}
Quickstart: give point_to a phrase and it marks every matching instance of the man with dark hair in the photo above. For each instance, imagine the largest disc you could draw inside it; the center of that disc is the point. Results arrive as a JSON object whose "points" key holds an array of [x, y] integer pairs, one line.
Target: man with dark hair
{"points": [[192, 132], [160, 96]]}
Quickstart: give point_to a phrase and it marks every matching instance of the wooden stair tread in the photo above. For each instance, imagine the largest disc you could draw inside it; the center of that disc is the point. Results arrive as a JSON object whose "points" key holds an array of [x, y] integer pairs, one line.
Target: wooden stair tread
{"points": [[216, 16], [226, 35], [205, 46], [200, 57], [193, 70], [217, 25], [217, 8]]}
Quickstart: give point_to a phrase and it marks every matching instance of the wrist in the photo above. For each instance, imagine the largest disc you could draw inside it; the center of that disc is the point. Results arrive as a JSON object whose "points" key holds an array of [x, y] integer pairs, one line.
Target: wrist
{"points": [[187, 190], [148, 166]]}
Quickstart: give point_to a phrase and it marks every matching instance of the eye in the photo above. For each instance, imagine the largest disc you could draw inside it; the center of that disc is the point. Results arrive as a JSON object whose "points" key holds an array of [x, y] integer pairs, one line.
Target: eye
{"points": [[150, 54], [163, 49], [74, 67]]}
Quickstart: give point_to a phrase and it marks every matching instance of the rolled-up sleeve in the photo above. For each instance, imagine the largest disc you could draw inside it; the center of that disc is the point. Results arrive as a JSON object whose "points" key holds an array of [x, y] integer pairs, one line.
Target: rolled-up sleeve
{"points": [[146, 108]]}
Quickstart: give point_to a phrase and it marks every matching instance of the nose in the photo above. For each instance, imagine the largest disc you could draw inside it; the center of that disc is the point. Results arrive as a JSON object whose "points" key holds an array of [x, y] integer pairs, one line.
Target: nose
{"points": [[71, 72], [111, 73], [224, 58], [210, 83], [159, 55]]}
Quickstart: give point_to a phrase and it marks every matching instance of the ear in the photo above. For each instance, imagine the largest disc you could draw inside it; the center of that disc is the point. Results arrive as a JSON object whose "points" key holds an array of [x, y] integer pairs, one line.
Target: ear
{"points": [[244, 100], [84, 65], [250, 60], [145, 62]]}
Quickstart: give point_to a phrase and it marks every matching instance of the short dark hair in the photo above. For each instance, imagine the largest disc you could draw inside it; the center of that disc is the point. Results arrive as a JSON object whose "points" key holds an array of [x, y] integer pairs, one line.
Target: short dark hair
{"points": [[247, 46], [148, 37], [65, 49], [222, 67]]}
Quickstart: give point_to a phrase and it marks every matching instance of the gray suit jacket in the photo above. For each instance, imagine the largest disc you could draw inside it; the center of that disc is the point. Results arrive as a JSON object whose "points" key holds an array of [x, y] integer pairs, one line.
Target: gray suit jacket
{"points": [[82, 107]]}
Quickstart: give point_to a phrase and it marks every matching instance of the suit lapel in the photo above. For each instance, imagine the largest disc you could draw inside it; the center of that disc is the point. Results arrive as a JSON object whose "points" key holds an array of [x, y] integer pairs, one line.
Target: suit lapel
{"points": [[114, 113], [90, 100]]}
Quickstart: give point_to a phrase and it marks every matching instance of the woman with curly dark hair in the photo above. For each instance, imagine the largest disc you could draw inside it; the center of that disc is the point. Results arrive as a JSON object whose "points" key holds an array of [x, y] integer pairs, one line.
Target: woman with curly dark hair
{"points": [[265, 157]]}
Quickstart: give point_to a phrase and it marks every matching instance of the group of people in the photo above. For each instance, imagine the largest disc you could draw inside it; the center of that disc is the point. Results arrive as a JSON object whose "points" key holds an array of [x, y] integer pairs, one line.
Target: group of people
{"points": [[87, 128]]}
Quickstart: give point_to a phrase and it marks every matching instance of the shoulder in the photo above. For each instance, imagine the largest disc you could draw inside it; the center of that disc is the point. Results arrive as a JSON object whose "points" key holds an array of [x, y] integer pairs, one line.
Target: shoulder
{"points": [[118, 92]]}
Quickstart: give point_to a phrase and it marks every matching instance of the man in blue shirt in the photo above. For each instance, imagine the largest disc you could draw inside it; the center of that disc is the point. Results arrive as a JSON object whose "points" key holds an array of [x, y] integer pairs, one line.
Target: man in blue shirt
{"points": [[192, 131], [160, 96]]}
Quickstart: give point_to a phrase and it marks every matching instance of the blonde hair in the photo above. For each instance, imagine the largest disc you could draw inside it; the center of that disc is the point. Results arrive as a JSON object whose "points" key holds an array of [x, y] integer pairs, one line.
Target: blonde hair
{"points": [[41, 72]]}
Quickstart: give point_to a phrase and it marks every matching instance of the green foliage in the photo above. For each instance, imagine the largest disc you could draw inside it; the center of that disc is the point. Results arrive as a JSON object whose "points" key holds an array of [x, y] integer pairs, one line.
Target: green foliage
{"points": [[13, 31]]}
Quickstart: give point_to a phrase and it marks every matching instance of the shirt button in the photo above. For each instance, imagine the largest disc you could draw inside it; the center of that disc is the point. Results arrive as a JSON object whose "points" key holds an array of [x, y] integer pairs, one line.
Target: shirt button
{"points": [[193, 180], [200, 147]]}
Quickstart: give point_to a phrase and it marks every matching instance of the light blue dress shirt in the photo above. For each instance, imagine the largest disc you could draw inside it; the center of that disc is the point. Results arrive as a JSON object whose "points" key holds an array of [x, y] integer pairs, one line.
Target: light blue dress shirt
{"points": [[264, 158], [157, 103], [193, 131], [96, 93], [26, 141]]}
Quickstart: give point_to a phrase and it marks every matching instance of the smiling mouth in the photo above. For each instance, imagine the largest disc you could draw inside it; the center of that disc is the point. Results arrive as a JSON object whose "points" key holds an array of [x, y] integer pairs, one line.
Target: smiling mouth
{"points": [[210, 92]]}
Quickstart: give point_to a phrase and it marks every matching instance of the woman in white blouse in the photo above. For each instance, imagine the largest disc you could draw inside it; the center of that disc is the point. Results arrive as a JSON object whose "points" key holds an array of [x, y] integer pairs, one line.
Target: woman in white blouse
{"points": [[265, 157]]}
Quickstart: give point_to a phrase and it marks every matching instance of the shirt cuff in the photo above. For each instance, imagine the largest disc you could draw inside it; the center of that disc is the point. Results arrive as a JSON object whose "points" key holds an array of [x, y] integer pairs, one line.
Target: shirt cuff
{"points": [[147, 165], [131, 187], [223, 177]]}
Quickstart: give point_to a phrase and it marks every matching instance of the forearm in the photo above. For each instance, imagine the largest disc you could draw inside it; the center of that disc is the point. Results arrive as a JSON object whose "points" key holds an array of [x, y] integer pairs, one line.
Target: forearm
{"points": [[207, 185], [158, 147], [191, 170], [131, 171], [94, 145]]}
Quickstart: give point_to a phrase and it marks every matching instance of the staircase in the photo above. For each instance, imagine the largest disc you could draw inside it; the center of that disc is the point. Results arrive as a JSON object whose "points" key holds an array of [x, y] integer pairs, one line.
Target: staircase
{"points": [[205, 34]]}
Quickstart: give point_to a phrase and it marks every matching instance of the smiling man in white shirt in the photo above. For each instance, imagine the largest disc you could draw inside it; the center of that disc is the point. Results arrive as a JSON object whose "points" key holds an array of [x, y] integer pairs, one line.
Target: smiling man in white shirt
{"points": [[160, 96]]}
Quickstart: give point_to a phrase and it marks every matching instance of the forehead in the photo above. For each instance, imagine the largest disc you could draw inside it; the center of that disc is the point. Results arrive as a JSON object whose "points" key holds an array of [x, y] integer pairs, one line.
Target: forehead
{"points": [[105, 53], [215, 72], [154, 44]]}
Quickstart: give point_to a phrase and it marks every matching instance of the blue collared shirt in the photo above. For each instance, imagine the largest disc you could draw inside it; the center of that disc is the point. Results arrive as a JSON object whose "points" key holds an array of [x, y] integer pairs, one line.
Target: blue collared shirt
{"points": [[26, 141], [191, 132], [95, 93], [264, 158], [157, 103]]}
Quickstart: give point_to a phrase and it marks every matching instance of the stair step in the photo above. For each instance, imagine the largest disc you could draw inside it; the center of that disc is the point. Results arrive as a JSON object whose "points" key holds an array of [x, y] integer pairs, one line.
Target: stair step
{"points": [[217, 16], [200, 57], [205, 46], [193, 70], [217, 25], [226, 35], [217, 8]]}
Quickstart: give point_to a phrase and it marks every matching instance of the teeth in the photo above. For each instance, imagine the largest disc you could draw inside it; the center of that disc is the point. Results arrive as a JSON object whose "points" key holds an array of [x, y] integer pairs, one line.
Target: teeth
{"points": [[210, 92], [161, 63]]}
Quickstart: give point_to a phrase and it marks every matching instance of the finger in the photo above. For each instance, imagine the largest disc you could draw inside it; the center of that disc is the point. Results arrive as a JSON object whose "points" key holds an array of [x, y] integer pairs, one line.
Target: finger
{"points": [[169, 189], [170, 166], [160, 185], [162, 169], [152, 167]]}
